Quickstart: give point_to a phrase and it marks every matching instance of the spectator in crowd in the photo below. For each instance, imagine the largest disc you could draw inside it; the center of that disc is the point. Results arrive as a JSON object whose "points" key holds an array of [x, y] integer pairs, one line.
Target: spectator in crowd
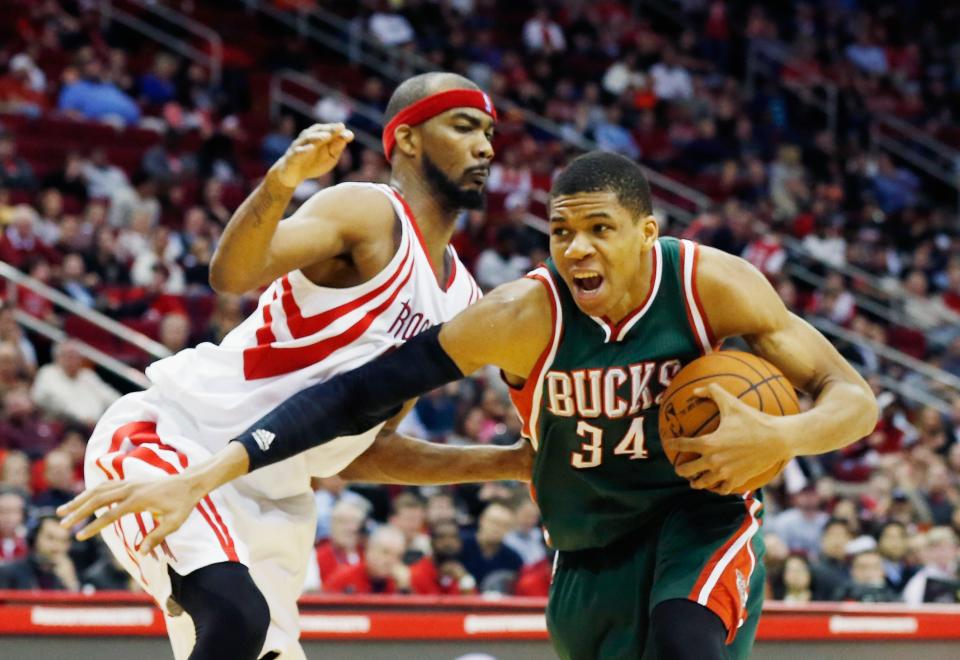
{"points": [[442, 572], [390, 28], [12, 333], [541, 34], [501, 263], [409, 516], [381, 571], [88, 94], [440, 507], [21, 243], [15, 171], [15, 472], [13, 371], [167, 162], [527, 536], [937, 581], [867, 581], [58, 472], [22, 428], [328, 491], [801, 525], [276, 142], [75, 282], [671, 80], [13, 538], [485, 552], [69, 389], [17, 94], [892, 546], [830, 573], [344, 547], [157, 85], [174, 331], [797, 580], [48, 566]]}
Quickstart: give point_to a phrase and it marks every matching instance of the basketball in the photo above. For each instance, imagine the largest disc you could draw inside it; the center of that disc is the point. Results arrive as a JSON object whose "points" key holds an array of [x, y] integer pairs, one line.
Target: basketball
{"points": [[751, 379]]}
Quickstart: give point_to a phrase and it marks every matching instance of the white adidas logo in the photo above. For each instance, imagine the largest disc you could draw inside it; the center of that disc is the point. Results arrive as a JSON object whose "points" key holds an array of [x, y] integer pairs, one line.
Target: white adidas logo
{"points": [[264, 438]]}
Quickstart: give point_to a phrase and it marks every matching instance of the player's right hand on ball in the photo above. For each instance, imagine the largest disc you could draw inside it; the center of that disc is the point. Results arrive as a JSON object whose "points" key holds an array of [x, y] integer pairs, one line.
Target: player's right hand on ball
{"points": [[167, 499], [314, 153]]}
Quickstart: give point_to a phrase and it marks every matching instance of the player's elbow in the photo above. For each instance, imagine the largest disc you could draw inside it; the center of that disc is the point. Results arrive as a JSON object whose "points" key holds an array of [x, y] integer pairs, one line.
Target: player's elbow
{"points": [[224, 279], [868, 409]]}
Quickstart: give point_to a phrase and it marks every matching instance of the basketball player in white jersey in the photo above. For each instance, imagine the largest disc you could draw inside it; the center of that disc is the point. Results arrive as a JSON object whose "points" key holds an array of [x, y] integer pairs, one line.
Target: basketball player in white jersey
{"points": [[353, 273]]}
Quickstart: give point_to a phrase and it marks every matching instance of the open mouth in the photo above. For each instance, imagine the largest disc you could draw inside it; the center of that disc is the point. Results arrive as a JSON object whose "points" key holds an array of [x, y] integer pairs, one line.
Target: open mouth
{"points": [[587, 282]]}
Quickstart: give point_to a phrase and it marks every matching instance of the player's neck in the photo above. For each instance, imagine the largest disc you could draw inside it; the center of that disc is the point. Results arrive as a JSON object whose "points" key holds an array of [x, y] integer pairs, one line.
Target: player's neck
{"points": [[435, 220], [637, 291]]}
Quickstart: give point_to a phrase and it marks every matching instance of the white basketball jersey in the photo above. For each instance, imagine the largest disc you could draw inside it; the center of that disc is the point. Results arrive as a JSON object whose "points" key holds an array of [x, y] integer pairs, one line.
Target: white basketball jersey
{"points": [[302, 334]]}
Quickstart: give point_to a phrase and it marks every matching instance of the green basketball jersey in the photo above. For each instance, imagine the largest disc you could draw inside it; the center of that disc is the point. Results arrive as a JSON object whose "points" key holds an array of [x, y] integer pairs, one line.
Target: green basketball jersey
{"points": [[590, 405]]}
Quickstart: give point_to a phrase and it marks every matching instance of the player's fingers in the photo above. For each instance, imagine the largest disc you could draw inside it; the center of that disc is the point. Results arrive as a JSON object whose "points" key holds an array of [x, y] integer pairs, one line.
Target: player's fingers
{"points": [[722, 398], [86, 495], [722, 487], [157, 535], [705, 481], [91, 501], [104, 521], [686, 445], [691, 469]]}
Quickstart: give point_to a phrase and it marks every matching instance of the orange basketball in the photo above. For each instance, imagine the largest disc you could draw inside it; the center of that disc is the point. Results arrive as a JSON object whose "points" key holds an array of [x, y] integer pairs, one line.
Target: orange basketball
{"points": [[751, 379]]}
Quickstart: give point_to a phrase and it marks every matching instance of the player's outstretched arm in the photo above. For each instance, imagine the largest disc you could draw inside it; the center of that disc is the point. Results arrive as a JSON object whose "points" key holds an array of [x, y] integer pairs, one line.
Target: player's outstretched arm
{"points": [[256, 247], [508, 328], [395, 458], [739, 301]]}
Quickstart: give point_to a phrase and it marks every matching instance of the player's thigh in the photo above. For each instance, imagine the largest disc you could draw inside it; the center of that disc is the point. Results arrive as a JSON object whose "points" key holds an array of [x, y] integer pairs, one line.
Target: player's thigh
{"points": [[710, 551], [599, 600], [125, 445]]}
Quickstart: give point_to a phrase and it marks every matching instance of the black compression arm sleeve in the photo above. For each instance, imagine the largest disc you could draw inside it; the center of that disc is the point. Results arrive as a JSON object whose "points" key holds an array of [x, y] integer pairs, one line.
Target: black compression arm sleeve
{"points": [[351, 402]]}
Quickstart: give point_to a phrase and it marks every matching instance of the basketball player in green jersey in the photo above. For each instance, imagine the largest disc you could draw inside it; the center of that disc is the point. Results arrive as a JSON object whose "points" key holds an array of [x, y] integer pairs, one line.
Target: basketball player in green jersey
{"points": [[652, 562]]}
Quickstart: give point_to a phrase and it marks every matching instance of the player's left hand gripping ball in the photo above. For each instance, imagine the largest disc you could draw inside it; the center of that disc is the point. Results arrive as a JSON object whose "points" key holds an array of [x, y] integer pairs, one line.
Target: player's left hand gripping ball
{"points": [[744, 446]]}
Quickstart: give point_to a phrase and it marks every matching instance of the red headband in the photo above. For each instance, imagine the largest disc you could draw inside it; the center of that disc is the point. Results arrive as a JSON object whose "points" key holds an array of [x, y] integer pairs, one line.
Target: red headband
{"points": [[433, 105]]}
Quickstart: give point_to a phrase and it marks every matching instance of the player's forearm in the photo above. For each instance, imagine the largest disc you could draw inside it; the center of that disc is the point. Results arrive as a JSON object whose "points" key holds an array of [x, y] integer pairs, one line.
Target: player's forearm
{"points": [[243, 249], [843, 413], [350, 403], [398, 459]]}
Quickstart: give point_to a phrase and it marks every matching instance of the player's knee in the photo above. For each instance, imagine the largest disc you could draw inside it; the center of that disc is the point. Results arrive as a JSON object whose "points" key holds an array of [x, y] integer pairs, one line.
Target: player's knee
{"points": [[229, 611], [685, 630], [250, 619]]}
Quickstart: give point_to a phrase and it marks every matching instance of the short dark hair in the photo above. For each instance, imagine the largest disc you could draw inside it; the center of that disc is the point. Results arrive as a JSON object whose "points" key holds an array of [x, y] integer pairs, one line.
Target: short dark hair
{"points": [[600, 171], [419, 87]]}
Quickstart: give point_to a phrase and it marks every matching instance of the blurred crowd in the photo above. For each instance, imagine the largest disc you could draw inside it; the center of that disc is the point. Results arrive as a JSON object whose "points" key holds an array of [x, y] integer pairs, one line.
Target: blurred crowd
{"points": [[121, 164]]}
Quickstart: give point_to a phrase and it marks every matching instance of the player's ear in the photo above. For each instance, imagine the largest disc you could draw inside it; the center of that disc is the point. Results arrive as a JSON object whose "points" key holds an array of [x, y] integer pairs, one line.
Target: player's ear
{"points": [[407, 140], [650, 230]]}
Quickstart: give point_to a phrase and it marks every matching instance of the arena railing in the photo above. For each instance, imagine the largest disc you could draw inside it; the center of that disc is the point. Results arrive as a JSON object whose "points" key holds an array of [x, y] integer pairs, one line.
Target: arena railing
{"points": [[127, 15], [15, 279]]}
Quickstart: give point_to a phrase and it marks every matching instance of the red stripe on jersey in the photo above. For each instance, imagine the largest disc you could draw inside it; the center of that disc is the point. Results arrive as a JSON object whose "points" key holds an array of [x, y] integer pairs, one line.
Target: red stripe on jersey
{"points": [[143, 432], [522, 397], [268, 361], [420, 239], [453, 269], [303, 326], [265, 333], [696, 296], [615, 328]]}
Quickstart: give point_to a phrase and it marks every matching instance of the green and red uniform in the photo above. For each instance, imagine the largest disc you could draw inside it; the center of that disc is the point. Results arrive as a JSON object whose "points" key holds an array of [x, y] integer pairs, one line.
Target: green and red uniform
{"points": [[629, 532]]}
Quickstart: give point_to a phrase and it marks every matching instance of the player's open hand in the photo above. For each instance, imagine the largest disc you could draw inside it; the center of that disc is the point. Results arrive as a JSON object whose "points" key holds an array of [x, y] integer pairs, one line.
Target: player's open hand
{"points": [[745, 445], [167, 499], [314, 153]]}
